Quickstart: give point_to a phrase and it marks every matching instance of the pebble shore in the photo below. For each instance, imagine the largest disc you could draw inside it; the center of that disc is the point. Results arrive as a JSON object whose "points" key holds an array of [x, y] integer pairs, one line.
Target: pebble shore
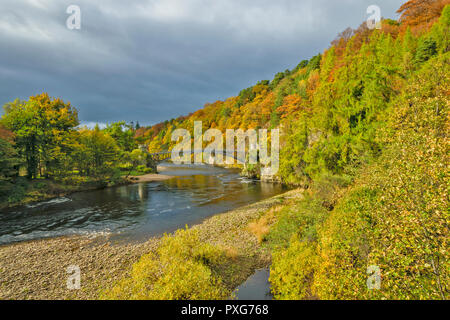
{"points": [[38, 269]]}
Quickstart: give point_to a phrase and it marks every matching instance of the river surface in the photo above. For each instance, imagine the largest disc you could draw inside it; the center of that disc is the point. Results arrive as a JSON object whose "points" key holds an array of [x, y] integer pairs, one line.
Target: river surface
{"points": [[139, 211], [257, 287]]}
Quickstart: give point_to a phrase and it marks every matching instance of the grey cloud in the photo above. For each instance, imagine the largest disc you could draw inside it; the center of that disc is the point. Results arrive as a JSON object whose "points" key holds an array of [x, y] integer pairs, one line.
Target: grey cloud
{"points": [[151, 60]]}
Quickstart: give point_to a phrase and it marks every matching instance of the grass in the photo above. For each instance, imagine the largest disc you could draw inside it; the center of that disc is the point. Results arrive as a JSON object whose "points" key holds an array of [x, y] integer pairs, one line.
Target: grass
{"points": [[261, 227]]}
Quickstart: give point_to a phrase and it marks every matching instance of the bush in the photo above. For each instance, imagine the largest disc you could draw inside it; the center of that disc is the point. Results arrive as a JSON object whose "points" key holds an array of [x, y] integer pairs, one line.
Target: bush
{"points": [[16, 191], [292, 270], [181, 269]]}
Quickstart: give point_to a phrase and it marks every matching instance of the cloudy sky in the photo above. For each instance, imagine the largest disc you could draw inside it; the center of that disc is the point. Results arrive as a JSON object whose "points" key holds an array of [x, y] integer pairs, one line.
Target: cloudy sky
{"points": [[152, 60]]}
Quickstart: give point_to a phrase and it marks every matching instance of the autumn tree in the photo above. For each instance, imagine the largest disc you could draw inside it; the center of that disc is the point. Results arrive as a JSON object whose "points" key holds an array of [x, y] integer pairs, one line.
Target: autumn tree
{"points": [[421, 12], [40, 125], [95, 153]]}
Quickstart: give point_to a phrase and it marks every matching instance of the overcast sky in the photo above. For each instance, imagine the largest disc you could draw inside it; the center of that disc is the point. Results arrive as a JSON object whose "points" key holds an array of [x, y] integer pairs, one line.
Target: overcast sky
{"points": [[152, 60]]}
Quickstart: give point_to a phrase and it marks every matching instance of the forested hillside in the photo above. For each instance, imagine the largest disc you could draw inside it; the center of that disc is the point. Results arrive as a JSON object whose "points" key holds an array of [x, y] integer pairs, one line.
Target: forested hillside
{"points": [[365, 132], [328, 107]]}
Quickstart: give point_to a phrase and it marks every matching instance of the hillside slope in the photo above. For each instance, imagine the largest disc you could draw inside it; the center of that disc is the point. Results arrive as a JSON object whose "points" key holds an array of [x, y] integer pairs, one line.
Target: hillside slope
{"points": [[330, 107], [366, 131]]}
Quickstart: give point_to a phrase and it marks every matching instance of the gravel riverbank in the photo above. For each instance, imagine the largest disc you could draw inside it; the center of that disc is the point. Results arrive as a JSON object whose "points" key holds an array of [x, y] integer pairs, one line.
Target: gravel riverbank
{"points": [[38, 269]]}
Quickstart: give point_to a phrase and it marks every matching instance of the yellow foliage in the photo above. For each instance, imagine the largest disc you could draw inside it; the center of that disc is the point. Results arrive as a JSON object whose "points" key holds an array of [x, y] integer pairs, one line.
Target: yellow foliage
{"points": [[181, 269], [292, 271]]}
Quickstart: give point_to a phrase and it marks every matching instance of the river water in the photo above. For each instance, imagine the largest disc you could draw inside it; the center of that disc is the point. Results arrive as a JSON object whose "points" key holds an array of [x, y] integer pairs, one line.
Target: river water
{"points": [[139, 211]]}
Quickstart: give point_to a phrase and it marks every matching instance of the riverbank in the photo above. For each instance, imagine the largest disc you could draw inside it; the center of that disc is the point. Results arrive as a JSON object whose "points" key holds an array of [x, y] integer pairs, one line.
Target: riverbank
{"points": [[38, 269], [152, 177], [30, 192]]}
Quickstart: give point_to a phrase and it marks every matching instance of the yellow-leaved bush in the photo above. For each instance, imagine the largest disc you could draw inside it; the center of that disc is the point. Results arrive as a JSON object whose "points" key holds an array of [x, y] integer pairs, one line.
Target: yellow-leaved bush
{"points": [[292, 270], [182, 268]]}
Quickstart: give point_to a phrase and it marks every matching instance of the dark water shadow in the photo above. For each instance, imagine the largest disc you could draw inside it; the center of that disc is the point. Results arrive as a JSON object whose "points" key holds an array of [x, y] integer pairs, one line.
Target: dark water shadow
{"points": [[257, 287]]}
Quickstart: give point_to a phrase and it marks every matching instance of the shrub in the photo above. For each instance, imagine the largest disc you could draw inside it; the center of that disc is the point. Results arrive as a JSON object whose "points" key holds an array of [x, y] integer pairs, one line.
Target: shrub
{"points": [[181, 269], [14, 192], [292, 270]]}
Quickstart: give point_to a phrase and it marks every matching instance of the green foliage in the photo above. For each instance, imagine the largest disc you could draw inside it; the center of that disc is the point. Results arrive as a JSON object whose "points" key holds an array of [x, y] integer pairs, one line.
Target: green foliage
{"points": [[225, 112], [292, 270], [441, 31], [314, 63], [181, 269], [9, 160], [137, 160], [41, 127], [274, 119], [427, 48], [276, 80], [95, 153], [395, 216], [13, 192], [301, 65], [263, 82], [246, 95], [294, 239], [123, 134], [291, 155], [252, 171]]}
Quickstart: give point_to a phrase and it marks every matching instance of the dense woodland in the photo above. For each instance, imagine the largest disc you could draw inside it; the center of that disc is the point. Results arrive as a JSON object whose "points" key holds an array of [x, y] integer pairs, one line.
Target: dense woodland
{"points": [[364, 130]]}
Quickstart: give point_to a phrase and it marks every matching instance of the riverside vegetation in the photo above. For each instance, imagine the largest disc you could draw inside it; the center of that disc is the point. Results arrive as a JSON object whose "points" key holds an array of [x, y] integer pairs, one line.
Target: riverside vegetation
{"points": [[44, 153], [364, 134]]}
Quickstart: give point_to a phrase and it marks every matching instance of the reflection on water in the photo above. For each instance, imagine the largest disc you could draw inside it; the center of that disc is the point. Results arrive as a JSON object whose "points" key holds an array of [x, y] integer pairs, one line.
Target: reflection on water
{"points": [[136, 212], [257, 287]]}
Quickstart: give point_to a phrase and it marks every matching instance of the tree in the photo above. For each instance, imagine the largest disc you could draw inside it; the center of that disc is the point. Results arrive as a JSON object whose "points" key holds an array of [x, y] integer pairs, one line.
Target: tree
{"points": [[427, 48], [441, 31], [123, 134], [136, 158], [40, 125], [95, 153], [421, 12]]}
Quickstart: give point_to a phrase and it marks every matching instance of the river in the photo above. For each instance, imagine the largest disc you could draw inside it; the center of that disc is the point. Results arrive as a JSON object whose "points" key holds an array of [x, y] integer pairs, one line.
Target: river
{"points": [[138, 211]]}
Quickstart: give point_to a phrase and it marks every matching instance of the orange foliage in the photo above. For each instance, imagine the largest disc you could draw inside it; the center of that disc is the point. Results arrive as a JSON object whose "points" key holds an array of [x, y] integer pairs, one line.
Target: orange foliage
{"points": [[313, 82], [391, 29], [421, 12], [140, 132], [5, 134], [291, 104]]}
